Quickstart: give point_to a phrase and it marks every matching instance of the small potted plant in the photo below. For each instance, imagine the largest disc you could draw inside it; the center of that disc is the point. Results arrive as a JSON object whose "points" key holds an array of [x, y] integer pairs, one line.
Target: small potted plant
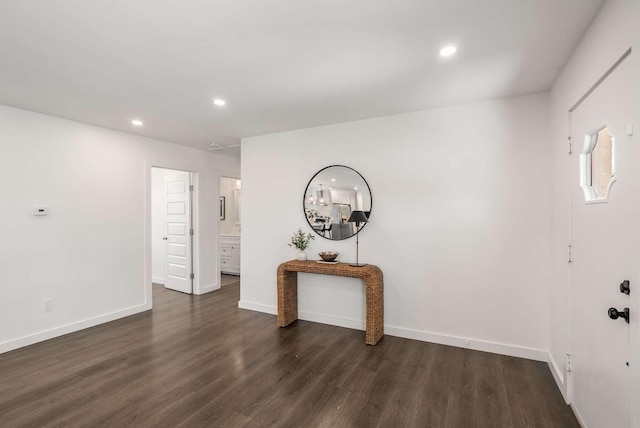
{"points": [[300, 241]]}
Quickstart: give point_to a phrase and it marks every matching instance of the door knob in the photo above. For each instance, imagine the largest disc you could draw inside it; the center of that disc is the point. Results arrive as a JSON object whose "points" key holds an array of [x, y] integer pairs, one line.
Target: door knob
{"points": [[165, 238], [624, 287], [614, 314]]}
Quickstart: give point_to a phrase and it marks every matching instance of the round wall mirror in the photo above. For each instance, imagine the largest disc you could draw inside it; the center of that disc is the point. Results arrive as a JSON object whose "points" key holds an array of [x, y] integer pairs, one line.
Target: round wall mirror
{"points": [[332, 194]]}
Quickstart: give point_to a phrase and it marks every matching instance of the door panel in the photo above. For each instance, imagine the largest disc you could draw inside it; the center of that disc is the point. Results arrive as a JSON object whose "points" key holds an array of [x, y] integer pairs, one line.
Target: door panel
{"points": [[178, 224], [177, 250], [634, 327], [176, 229], [606, 251], [176, 208]]}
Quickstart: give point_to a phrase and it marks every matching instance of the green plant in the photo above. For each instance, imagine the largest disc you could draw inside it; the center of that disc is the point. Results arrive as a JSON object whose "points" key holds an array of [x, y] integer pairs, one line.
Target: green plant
{"points": [[300, 240]]}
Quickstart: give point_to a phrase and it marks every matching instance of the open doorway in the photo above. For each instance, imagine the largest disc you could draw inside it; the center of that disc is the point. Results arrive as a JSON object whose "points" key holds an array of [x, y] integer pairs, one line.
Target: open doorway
{"points": [[230, 225], [172, 229]]}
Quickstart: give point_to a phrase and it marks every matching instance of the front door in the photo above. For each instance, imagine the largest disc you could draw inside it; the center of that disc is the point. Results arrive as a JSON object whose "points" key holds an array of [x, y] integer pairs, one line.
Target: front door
{"points": [[605, 224], [178, 235]]}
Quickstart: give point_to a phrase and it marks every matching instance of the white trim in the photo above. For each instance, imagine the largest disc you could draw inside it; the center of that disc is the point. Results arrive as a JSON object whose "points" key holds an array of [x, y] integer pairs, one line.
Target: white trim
{"points": [[578, 416], [556, 371], [70, 328], [257, 307], [423, 336], [157, 280], [332, 320], [208, 288], [590, 140], [469, 343]]}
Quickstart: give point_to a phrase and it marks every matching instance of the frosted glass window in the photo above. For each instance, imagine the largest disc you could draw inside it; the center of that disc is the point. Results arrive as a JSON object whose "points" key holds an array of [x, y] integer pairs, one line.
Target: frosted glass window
{"points": [[602, 163], [598, 164]]}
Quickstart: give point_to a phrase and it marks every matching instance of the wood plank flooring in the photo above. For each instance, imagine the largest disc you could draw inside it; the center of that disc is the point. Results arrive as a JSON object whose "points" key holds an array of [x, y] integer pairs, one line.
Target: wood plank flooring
{"points": [[201, 361]]}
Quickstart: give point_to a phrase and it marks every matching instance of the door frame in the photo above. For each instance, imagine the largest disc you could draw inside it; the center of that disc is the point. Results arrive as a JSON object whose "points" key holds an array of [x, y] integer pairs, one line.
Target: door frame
{"points": [[196, 172], [236, 175]]}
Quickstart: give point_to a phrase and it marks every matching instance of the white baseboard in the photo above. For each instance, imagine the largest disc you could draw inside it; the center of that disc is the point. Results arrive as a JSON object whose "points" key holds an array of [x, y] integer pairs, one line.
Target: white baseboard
{"points": [[258, 307], [578, 416], [424, 336], [332, 320], [556, 371], [208, 288], [157, 280], [20, 342], [469, 343]]}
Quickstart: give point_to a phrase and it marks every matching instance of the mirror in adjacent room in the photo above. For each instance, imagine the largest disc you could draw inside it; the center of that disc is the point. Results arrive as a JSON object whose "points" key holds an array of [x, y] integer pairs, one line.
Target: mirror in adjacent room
{"points": [[238, 197], [330, 197], [230, 205]]}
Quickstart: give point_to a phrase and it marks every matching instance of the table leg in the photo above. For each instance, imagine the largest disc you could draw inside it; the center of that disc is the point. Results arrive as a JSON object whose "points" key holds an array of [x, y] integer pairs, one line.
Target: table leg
{"points": [[375, 313], [287, 297]]}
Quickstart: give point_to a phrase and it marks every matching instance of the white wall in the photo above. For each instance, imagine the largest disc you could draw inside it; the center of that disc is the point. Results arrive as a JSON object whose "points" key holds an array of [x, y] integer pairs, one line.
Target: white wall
{"points": [[158, 218], [460, 222], [159, 221], [89, 253], [228, 189], [613, 31]]}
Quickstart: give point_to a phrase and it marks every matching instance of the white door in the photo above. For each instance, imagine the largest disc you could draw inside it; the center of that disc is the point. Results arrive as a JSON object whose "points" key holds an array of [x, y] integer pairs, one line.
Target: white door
{"points": [[177, 233], [605, 250], [635, 298]]}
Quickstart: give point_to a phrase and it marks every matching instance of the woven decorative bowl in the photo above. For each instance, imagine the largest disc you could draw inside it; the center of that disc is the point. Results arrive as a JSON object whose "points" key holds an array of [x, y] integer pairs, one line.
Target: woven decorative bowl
{"points": [[328, 256]]}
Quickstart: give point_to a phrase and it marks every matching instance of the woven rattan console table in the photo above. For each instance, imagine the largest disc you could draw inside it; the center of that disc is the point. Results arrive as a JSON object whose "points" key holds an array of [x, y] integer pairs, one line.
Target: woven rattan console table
{"points": [[370, 274]]}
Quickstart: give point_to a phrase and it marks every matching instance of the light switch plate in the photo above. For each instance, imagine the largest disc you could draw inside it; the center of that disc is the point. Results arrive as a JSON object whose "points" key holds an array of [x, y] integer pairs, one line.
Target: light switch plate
{"points": [[629, 129]]}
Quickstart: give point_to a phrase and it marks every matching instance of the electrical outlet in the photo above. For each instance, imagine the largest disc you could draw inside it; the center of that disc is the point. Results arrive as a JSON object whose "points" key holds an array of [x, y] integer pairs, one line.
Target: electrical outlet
{"points": [[47, 305]]}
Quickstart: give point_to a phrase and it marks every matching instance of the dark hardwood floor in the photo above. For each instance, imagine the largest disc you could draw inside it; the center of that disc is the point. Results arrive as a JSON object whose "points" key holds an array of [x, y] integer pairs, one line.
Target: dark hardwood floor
{"points": [[201, 361]]}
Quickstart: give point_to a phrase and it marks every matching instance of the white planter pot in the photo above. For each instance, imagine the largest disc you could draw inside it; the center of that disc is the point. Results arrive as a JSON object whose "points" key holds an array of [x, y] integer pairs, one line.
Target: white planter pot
{"points": [[302, 256]]}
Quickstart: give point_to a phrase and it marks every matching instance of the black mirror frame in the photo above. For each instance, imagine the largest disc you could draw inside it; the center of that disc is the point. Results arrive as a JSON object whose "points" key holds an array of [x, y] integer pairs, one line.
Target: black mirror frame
{"points": [[304, 212]]}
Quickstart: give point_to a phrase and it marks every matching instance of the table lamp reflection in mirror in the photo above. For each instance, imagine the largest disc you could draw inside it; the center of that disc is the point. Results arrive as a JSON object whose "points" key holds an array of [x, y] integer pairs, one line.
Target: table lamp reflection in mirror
{"points": [[357, 217]]}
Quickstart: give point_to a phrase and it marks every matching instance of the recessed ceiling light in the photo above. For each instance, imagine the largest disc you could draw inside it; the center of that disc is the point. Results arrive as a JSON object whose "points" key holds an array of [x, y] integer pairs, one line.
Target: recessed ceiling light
{"points": [[219, 102], [355, 188], [136, 122], [333, 179], [447, 51]]}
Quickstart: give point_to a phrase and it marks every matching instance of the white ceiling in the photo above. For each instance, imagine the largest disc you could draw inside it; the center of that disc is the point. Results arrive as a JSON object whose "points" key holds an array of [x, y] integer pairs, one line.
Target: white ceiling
{"points": [[280, 64]]}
